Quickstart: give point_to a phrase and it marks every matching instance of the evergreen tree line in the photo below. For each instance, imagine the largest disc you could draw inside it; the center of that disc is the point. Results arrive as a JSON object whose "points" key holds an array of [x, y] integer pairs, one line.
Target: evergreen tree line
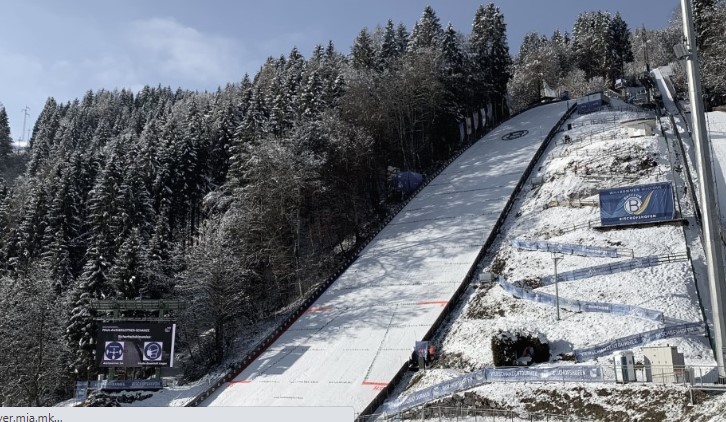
{"points": [[602, 49], [6, 142], [591, 59], [235, 202], [656, 47]]}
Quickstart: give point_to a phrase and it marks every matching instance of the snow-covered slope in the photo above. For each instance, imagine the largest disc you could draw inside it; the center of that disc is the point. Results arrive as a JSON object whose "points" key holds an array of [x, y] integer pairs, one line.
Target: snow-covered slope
{"points": [[564, 209], [356, 337]]}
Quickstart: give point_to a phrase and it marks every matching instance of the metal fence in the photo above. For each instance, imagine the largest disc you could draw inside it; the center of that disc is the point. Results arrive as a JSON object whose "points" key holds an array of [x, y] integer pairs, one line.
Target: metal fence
{"points": [[688, 377], [617, 267], [470, 414]]}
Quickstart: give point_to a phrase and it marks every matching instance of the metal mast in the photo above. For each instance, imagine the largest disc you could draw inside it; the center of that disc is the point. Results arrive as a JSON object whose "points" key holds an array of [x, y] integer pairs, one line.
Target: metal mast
{"points": [[711, 240], [25, 118]]}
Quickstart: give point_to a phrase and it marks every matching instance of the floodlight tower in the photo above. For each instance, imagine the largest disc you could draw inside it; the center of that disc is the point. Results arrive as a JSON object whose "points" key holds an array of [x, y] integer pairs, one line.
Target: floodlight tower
{"points": [[711, 241]]}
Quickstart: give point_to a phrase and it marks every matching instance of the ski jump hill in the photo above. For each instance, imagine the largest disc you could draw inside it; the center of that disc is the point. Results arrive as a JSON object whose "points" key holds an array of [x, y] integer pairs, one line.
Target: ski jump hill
{"points": [[350, 347]]}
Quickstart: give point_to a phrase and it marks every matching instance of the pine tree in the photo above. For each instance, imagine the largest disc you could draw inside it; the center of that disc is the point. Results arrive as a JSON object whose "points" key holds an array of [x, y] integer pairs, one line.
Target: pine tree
{"points": [[127, 275], [104, 223], [536, 65], [191, 153], [591, 44], [226, 120], [363, 55], [4, 221], [710, 23], [159, 261], [620, 48], [43, 138], [402, 39], [81, 329], [312, 96], [32, 368], [6, 142], [47, 122], [389, 47], [136, 209], [279, 103], [217, 286], [427, 32], [28, 237], [63, 228], [453, 56], [560, 42], [454, 68], [705, 21], [148, 144], [490, 57]]}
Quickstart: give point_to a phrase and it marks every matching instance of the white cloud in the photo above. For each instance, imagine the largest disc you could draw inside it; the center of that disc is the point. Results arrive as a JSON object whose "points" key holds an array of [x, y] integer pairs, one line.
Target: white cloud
{"points": [[175, 50]]}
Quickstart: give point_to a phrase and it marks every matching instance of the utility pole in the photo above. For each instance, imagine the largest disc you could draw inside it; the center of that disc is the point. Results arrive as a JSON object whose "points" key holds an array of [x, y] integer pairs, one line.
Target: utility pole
{"points": [[556, 256], [711, 241], [25, 118], [645, 50]]}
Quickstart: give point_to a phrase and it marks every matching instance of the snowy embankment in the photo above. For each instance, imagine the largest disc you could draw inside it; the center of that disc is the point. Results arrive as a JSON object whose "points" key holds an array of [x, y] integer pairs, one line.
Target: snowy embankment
{"points": [[563, 209]]}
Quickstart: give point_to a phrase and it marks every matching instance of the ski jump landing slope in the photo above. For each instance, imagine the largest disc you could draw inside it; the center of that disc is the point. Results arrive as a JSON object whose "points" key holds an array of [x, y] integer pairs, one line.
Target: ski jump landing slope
{"points": [[351, 342]]}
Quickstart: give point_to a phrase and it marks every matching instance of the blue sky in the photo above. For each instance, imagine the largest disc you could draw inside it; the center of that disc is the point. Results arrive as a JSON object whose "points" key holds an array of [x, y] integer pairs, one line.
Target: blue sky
{"points": [[62, 49]]}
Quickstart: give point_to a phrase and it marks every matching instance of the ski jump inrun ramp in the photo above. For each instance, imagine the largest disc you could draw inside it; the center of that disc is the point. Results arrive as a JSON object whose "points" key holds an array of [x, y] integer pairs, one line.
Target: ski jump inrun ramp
{"points": [[351, 343]]}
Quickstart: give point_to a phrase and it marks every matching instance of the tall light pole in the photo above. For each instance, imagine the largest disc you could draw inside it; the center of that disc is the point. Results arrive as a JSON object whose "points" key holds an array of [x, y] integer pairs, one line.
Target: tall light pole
{"points": [[711, 241], [645, 50], [556, 256]]}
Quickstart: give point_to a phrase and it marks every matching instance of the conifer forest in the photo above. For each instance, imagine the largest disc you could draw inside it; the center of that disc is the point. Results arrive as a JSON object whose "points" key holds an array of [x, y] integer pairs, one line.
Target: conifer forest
{"points": [[237, 202]]}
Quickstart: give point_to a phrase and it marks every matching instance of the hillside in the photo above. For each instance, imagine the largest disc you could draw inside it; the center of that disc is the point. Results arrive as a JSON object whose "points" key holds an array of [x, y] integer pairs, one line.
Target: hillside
{"points": [[12, 166], [563, 209]]}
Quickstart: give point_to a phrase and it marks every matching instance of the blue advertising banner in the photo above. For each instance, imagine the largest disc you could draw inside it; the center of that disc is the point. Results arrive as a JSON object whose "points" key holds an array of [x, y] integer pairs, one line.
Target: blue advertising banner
{"points": [[559, 373], [578, 373], [566, 248], [691, 328], [574, 305], [637, 204]]}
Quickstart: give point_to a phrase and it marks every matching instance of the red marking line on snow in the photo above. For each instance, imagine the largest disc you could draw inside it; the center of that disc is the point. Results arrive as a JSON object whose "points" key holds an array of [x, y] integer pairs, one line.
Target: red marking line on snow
{"points": [[319, 309], [434, 302], [240, 381], [376, 385]]}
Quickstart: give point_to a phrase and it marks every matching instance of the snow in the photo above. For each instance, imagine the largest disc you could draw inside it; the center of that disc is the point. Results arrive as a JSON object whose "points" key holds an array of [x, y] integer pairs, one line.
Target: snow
{"points": [[357, 336], [354, 339], [554, 212]]}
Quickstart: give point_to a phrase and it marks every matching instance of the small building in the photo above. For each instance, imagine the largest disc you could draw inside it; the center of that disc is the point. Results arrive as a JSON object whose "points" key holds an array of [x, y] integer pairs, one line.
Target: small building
{"points": [[546, 93], [639, 127], [664, 365], [625, 367], [591, 103]]}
